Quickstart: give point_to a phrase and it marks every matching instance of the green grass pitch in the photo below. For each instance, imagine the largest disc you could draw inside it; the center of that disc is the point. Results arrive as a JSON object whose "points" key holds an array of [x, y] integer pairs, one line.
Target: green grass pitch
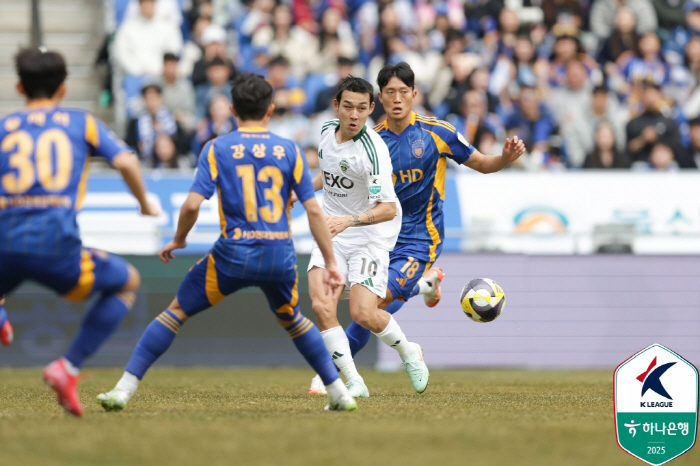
{"points": [[264, 417]]}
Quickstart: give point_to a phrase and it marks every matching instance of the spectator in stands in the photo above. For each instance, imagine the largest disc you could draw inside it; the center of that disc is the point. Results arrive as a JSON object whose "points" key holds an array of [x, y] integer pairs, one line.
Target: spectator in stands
{"points": [[193, 50], [178, 93], [680, 35], [694, 149], [279, 77], [651, 127], [474, 117], [214, 43], [571, 104], [218, 121], [661, 158], [605, 153], [142, 41], [621, 45], [284, 121], [532, 122], [602, 18], [335, 39], [669, 13], [282, 37], [325, 97], [168, 10], [218, 81], [154, 121], [648, 64]]}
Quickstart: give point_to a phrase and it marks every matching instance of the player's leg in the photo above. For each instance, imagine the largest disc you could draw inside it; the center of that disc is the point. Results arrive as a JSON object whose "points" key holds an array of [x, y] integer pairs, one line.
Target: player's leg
{"points": [[6, 332], [76, 278], [368, 275], [199, 290], [325, 307], [407, 262], [283, 298]]}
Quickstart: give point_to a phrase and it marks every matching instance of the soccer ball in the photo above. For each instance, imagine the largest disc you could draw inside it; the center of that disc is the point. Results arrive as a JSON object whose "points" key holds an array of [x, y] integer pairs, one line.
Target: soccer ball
{"points": [[482, 300]]}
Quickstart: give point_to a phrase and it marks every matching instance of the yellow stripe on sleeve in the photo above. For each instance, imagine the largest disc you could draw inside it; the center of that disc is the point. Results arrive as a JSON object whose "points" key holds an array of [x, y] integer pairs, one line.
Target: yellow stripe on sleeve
{"points": [[212, 163], [298, 167]]}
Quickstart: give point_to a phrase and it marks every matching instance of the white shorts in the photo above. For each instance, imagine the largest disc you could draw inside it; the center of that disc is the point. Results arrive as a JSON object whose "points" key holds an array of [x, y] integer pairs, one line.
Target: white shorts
{"points": [[367, 265]]}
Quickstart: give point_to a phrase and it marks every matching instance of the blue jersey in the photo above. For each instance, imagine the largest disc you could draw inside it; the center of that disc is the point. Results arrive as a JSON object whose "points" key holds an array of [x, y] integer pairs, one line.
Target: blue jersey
{"points": [[44, 159], [254, 173], [419, 164]]}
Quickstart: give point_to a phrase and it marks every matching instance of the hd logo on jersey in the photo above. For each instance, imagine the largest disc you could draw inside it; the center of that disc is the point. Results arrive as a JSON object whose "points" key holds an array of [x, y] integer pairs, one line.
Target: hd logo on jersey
{"points": [[655, 396], [418, 148]]}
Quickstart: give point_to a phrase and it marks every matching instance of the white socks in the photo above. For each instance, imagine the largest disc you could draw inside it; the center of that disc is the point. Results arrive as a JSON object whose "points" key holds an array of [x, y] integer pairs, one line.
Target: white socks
{"points": [[424, 286], [338, 346], [70, 368], [393, 336], [335, 390], [128, 383]]}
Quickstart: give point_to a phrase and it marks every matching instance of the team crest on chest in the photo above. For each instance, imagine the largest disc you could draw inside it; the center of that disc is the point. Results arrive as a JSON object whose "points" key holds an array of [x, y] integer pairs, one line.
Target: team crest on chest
{"points": [[418, 148], [344, 165]]}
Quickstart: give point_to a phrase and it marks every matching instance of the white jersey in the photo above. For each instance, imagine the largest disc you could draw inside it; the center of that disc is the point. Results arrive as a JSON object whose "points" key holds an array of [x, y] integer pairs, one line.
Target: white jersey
{"points": [[356, 175]]}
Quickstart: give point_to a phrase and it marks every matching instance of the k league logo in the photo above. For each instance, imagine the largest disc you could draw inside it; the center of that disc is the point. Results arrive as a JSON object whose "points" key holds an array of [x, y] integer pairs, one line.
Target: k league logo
{"points": [[655, 395]]}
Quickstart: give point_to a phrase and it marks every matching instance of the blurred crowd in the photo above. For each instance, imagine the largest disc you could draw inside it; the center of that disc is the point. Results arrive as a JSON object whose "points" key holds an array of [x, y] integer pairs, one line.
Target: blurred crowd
{"points": [[585, 83]]}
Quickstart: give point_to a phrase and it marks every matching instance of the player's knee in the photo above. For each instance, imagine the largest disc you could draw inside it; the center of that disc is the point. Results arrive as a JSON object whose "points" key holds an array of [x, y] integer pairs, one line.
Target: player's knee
{"points": [[364, 316], [321, 308], [388, 299], [176, 309], [133, 282]]}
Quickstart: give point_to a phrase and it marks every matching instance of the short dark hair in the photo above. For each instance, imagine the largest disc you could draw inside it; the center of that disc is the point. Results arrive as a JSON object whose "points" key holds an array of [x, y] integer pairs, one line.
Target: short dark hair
{"points": [[278, 60], [170, 57], [400, 70], [40, 72], [600, 89], [354, 84], [345, 61], [251, 96], [151, 86], [216, 61]]}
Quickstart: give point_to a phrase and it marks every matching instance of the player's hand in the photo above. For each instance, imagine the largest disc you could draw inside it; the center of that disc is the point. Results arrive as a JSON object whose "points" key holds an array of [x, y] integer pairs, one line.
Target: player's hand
{"points": [[512, 149], [293, 198], [333, 279], [649, 134], [336, 225], [166, 253], [150, 209]]}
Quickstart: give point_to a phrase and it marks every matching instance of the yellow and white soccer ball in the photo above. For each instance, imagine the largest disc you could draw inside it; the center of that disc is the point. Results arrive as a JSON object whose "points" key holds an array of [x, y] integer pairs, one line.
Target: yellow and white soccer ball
{"points": [[482, 300]]}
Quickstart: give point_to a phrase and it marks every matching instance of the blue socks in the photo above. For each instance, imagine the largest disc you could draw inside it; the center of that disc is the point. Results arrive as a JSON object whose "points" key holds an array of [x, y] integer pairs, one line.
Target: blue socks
{"points": [[309, 342], [101, 320], [155, 341], [359, 336], [3, 316]]}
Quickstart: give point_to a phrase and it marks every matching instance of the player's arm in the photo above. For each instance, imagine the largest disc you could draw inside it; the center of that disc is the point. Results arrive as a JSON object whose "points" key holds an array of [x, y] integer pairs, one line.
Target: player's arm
{"points": [[382, 212], [188, 217], [203, 187], [130, 169], [512, 149]]}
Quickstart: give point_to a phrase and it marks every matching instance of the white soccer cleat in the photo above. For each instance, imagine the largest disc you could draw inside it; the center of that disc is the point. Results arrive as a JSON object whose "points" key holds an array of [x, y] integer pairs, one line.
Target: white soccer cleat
{"points": [[317, 387], [357, 388], [114, 400], [417, 369], [433, 278]]}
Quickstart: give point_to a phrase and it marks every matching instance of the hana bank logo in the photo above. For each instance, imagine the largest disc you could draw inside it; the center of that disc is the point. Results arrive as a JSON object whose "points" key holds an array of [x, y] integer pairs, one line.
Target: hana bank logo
{"points": [[540, 219]]}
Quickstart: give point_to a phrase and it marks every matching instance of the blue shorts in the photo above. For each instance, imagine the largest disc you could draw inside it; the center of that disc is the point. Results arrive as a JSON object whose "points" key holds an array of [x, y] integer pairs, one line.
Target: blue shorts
{"points": [[75, 277], [407, 263], [206, 284]]}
